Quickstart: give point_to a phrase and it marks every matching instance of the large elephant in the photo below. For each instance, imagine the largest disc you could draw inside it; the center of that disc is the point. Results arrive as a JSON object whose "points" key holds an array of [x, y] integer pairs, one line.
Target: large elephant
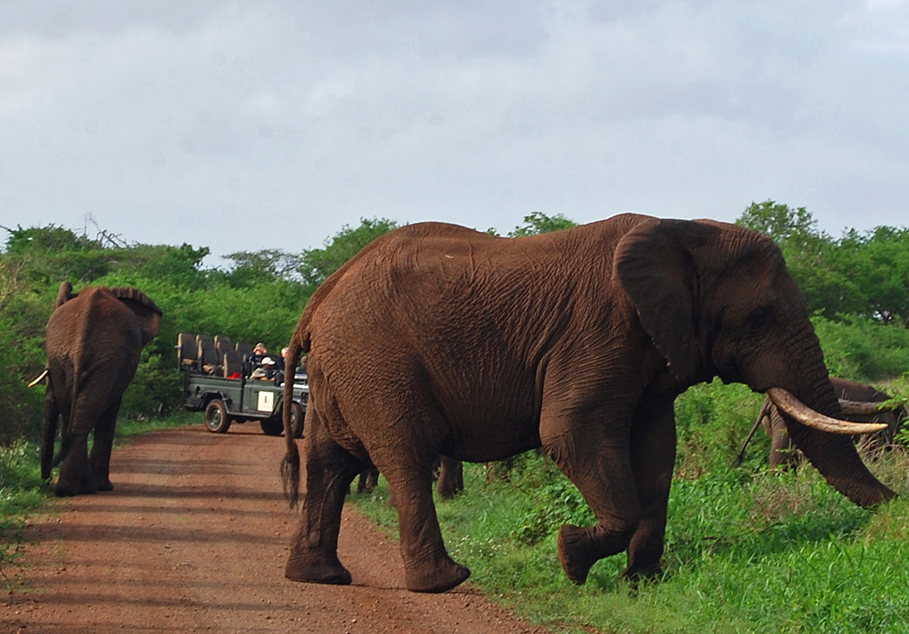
{"points": [[437, 339], [860, 403], [94, 340]]}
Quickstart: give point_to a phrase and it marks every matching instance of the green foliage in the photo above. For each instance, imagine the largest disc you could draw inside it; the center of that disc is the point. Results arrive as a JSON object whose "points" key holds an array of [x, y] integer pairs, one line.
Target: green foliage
{"points": [[261, 267], [746, 552], [47, 239], [863, 350], [712, 422], [317, 264], [537, 222], [21, 490], [860, 274], [878, 263]]}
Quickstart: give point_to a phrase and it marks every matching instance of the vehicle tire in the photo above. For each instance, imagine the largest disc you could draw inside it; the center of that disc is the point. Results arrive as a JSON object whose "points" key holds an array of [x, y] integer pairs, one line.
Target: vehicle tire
{"points": [[216, 419], [272, 426], [296, 419]]}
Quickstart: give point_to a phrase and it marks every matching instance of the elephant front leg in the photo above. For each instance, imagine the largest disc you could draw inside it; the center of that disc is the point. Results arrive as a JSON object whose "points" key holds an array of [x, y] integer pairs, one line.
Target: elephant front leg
{"points": [[75, 473], [601, 469], [653, 448], [314, 550]]}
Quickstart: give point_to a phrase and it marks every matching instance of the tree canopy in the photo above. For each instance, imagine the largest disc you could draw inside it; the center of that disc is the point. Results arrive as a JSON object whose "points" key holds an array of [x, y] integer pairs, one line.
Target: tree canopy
{"points": [[854, 283]]}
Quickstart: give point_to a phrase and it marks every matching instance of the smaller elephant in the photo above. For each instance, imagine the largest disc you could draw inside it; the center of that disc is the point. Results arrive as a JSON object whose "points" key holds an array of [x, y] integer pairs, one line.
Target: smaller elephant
{"points": [[861, 403], [94, 341]]}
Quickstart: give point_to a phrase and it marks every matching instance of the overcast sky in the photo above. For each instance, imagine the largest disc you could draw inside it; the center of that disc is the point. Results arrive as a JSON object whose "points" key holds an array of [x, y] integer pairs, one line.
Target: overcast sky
{"points": [[254, 125]]}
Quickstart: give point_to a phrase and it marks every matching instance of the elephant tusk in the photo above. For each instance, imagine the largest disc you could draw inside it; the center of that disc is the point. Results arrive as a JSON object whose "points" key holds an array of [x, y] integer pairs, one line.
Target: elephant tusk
{"points": [[810, 418], [39, 378], [864, 408]]}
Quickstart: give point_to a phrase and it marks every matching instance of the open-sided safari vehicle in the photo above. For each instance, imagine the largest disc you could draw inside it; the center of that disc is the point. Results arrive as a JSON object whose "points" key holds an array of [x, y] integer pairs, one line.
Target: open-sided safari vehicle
{"points": [[216, 380]]}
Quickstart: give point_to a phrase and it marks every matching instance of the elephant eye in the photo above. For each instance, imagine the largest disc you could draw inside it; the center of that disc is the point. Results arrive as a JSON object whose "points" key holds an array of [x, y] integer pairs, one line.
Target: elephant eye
{"points": [[757, 319]]}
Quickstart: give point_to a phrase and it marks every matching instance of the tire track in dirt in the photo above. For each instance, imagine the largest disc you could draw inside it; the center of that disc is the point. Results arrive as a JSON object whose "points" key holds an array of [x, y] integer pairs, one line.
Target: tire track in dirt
{"points": [[194, 539]]}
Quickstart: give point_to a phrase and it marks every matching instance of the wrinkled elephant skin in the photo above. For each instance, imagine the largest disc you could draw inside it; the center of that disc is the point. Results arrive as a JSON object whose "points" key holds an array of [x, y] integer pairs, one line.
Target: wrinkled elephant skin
{"points": [[437, 339], [94, 340]]}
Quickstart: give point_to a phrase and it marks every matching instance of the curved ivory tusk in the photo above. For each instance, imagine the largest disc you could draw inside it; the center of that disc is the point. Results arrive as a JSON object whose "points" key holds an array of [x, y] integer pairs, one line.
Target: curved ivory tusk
{"points": [[864, 408], [810, 418], [38, 379]]}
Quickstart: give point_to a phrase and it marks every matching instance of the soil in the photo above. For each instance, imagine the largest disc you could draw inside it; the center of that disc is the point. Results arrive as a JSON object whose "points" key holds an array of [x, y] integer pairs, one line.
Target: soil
{"points": [[194, 538]]}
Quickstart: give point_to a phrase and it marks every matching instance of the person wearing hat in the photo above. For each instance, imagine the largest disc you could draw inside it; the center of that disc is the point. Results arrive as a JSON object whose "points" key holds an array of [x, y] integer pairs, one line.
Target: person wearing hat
{"points": [[266, 371], [258, 354]]}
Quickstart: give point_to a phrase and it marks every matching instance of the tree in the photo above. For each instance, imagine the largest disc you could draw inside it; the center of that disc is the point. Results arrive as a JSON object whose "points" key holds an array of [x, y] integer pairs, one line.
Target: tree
{"points": [[48, 238], [781, 223], [262, 267], [317, 264], [537, 222], [877, 263]]}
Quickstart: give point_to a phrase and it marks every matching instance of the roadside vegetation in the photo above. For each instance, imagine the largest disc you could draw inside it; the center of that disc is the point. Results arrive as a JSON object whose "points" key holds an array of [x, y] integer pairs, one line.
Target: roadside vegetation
{"points": [[747, 550]]}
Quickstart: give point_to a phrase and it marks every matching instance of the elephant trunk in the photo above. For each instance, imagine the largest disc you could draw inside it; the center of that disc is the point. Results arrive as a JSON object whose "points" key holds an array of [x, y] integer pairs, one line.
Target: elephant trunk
{"points": [[833, 454]]}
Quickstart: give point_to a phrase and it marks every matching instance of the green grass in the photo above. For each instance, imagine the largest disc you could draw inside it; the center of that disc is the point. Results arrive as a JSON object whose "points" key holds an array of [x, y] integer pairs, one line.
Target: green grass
{"points": [[746, 552]]}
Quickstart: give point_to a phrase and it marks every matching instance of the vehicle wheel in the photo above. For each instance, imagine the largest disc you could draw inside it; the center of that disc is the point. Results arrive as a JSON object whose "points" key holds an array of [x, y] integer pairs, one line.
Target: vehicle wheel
{"points": [[296, 419], [272, 426], [216, 420]]}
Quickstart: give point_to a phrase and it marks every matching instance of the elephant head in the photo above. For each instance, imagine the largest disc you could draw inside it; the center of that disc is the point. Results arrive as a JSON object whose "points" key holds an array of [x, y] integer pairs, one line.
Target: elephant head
{"points": [[718, 300]]}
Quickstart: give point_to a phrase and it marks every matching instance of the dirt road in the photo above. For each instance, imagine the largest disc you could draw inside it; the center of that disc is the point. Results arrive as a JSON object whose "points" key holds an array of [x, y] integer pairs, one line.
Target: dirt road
{"points": [[194, 539]]}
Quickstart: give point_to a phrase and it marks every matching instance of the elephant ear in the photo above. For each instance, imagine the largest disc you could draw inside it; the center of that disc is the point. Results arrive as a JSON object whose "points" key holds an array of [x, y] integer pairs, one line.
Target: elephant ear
{"points": [[148, 314], [656, 266]]}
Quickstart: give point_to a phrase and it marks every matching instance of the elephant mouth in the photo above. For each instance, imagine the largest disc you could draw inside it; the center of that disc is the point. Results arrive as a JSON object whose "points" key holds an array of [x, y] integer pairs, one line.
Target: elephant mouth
{"points": [[800, 412]]}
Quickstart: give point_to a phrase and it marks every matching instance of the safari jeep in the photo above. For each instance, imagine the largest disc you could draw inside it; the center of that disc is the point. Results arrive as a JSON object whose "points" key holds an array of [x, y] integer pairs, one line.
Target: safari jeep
{"points": [[216, 380]]}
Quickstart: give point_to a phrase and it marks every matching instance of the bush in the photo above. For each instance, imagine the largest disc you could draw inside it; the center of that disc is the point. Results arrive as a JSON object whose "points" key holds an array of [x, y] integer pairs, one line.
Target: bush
{"points": [[862, 349]]}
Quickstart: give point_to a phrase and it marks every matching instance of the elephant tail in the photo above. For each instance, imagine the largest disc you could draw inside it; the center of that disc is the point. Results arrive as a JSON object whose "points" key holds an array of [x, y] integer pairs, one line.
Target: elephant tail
{"points": [[290, 465]]}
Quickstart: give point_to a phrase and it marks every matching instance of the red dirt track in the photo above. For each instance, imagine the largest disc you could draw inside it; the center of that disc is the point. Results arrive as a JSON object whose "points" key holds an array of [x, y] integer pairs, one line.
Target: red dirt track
{"points": [[194, 538]]}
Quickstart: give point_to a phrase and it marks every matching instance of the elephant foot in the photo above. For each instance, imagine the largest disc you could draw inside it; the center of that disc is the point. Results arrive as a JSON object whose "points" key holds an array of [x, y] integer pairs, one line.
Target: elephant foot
{"points": [[437, 579], [332, 573], [64, 489], [104, 485], [574, 553], [635, 575]]}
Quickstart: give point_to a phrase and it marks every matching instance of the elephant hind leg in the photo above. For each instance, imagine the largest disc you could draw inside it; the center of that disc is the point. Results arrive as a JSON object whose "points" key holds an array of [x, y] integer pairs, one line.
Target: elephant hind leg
{"points": [[75, 474], [102, 447], [314, 551]]}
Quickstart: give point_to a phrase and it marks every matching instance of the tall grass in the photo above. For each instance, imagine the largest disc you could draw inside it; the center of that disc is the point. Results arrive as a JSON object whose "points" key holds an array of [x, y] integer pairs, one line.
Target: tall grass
{"points": [[745, 552]]}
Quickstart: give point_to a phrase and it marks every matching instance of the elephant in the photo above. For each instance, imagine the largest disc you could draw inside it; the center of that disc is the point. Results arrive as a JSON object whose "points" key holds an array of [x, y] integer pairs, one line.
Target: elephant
{"points": [[439, 339], [860, 403], [448, 473], [94, 341]]}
